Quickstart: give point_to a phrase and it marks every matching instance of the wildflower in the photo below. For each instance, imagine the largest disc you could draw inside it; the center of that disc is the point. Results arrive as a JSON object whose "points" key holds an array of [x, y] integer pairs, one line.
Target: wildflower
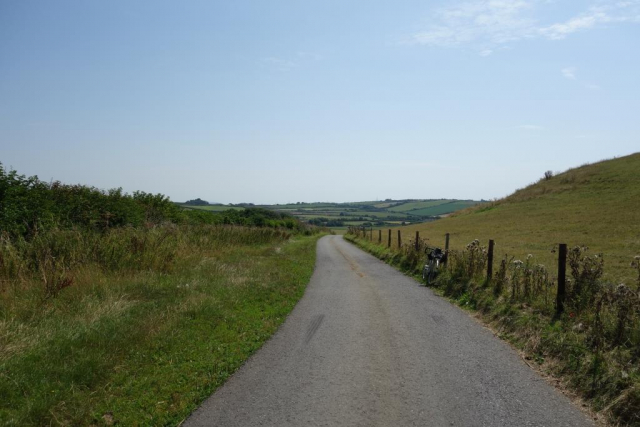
{"points": [[518, 263], [529, 256], [572, 315], [637, 257]]}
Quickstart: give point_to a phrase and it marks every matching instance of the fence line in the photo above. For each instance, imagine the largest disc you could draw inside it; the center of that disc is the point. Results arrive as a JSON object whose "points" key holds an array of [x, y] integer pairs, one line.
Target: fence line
{"points": [[562, 258]]}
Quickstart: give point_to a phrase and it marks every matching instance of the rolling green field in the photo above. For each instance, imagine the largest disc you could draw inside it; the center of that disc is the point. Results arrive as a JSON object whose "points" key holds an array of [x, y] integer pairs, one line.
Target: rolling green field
{"points": [[443, 208], [339, 216], [405, 207]]}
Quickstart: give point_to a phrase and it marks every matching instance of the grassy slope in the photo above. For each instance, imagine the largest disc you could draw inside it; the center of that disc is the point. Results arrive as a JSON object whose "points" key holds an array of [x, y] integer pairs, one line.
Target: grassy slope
{"points": [[596, 205], [444, 208], [148, 347], [409, 206]]}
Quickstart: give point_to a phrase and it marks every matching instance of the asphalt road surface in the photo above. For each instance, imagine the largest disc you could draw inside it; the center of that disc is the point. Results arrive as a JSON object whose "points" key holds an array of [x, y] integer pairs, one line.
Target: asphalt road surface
{"points": [[368, 346]]}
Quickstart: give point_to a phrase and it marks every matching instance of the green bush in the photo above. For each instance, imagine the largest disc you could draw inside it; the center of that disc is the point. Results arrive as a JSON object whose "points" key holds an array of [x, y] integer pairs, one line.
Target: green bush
{"points": [[29, 206]]}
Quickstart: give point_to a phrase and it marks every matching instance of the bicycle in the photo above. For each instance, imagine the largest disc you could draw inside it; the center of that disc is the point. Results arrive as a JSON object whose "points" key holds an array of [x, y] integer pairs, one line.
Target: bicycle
{"points": [[431, 269]]}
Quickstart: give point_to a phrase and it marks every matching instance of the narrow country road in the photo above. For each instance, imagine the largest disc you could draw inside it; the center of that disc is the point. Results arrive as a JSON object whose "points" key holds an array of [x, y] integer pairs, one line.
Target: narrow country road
{"points": [[368, 346]]}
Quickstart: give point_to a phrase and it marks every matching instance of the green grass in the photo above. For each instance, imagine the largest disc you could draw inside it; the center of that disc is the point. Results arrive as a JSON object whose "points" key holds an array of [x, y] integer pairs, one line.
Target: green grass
{"points": [[443, 208], [409, 206], [149, 342], [594, 205]]}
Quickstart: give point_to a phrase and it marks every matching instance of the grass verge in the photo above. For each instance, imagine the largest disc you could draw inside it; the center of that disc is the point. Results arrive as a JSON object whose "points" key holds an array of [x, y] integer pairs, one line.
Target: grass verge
{"points": [[147, 344]]}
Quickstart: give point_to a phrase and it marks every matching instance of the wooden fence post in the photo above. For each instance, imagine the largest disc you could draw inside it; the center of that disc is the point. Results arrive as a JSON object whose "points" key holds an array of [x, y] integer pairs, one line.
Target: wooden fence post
{"points": [[562, 278], [399, 240], [389, 245], [417, 241], [446, 249], [380, 236], [490, 261]]}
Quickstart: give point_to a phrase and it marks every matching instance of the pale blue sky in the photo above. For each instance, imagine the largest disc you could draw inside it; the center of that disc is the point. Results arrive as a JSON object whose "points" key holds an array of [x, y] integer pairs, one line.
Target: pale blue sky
{"points": [[332, 100]]}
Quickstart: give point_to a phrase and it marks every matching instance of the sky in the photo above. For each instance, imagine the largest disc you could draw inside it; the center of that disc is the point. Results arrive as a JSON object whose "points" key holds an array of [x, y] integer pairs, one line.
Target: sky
{"points": [[328, 100]]}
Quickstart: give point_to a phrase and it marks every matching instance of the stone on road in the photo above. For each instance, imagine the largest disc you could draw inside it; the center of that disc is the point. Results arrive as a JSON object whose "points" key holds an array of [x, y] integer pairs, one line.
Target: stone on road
{"points": [[368, 346]]}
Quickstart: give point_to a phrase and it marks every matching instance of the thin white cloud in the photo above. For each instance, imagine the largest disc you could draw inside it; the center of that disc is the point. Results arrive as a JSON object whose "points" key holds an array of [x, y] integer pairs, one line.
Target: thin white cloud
{"points": [[486, 52], [530, 127], [490, 23], [595, 16], [494, 21], [569, 73]]}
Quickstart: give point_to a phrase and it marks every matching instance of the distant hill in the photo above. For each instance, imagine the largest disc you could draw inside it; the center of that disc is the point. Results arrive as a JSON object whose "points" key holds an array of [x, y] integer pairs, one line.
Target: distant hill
{"points": [[391, 213], [595, 205], [197, 202]]}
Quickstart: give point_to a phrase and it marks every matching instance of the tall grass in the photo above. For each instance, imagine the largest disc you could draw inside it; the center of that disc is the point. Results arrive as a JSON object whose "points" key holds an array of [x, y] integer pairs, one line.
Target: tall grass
{"points": [[594, 344], [137, 325], [52, 259]]}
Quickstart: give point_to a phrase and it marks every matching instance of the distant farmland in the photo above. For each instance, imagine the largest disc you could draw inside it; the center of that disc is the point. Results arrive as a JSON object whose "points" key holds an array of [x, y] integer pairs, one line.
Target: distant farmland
{"points": [[369, 213]]}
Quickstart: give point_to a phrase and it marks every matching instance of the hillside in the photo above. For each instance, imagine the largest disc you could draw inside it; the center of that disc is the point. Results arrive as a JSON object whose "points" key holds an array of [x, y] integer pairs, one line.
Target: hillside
{"points": [[595, 205]]}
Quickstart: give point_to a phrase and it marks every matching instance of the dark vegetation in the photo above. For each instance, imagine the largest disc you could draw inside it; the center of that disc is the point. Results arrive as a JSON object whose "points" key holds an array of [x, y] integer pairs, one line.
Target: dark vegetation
{"points": [[29, 206], [197, 202]]}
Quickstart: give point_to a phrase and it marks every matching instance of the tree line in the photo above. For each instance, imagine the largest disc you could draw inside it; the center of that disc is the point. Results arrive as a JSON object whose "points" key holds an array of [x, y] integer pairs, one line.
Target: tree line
{"points": [[29, 205]]}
